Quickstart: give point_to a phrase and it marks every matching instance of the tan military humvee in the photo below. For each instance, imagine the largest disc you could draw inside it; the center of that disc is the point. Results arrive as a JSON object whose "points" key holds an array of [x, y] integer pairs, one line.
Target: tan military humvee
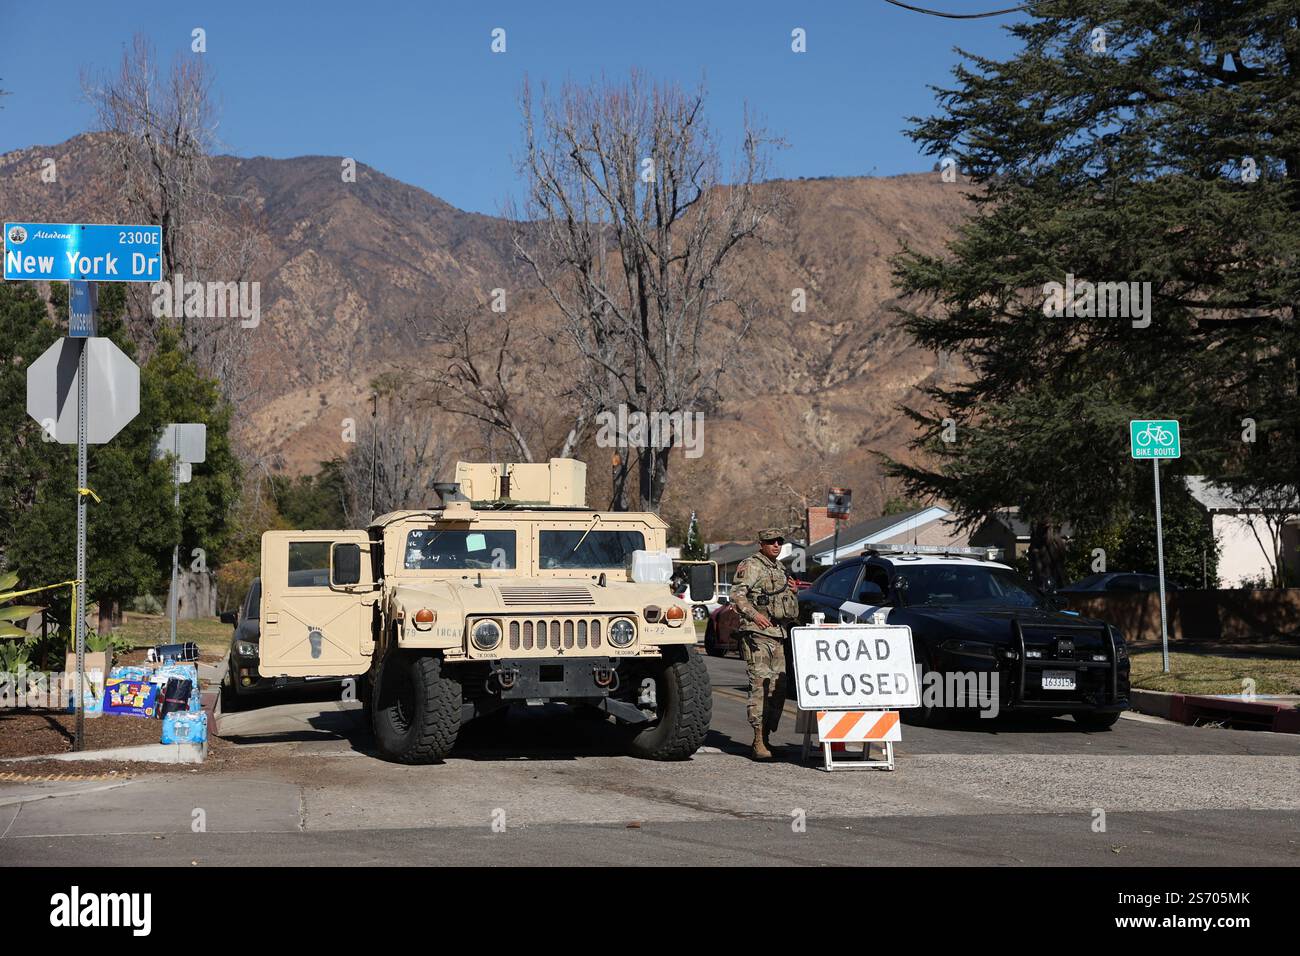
{"points": [[511, 590]]}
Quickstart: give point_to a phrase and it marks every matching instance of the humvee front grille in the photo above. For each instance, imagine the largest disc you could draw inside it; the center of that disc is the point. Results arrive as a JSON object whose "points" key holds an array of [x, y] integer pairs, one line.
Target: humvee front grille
{"points": [[554, 634], [546, 595]]}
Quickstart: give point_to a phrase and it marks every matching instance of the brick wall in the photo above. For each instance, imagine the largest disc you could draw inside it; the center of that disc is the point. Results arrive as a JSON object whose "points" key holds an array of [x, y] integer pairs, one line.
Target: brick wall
{"points": [[817, 525]]}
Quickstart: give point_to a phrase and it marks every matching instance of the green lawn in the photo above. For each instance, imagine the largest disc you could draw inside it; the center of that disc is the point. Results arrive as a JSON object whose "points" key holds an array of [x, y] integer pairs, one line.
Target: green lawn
{"points": [[146, 630], [1210, 674]]}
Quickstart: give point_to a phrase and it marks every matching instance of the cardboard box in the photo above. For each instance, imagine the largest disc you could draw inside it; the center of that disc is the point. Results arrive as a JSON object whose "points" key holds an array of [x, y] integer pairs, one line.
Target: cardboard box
{"points": [[93, 686]]}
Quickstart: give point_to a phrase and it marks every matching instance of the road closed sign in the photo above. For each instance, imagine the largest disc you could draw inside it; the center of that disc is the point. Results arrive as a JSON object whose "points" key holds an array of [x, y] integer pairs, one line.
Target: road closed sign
{"points": [[854, 667]]}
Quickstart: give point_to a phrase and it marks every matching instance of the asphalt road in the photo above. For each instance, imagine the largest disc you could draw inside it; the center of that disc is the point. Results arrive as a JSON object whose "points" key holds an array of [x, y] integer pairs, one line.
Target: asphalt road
{"points": [[546, 787]]}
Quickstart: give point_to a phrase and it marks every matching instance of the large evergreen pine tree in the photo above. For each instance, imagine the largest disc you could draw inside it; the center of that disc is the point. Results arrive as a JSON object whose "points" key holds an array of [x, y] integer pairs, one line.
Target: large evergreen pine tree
{"points": [[1153, 142]]}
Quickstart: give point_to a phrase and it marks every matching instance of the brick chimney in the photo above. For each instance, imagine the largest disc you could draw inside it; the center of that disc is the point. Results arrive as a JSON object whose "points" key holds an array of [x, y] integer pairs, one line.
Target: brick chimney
{"points": [[817, 525]]}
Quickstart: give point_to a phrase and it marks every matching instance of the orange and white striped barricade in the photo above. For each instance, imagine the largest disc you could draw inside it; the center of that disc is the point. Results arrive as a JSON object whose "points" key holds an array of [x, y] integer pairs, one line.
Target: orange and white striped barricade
{"points": [[851, 680], [847, 731]]}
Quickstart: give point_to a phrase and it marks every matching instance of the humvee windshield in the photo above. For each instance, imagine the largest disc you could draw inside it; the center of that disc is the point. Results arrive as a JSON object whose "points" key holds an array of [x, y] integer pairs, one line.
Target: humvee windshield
{"points": [[599, 549], [431, 549]]}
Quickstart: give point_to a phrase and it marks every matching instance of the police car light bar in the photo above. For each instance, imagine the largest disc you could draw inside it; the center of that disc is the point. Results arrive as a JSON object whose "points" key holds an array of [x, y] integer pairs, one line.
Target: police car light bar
{"points": [[983, 554]]}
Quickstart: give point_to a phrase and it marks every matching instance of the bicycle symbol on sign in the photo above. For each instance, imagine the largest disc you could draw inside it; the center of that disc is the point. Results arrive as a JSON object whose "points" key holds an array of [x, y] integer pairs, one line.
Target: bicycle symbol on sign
{"points": [[1155, 433]]}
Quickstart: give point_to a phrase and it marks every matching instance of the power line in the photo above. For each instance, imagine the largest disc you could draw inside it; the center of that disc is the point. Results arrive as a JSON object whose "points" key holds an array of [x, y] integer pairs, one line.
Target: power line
{"points": [[958, 16]]}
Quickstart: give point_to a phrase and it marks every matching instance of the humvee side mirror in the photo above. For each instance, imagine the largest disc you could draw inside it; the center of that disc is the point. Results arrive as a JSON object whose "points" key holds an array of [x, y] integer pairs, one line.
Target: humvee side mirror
{"points": [[702, 583], [345, 564]]}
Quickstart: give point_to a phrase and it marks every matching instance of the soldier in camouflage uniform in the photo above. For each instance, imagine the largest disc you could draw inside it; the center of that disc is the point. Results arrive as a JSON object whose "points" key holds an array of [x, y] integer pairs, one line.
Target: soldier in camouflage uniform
{"points": [[765, 598]]}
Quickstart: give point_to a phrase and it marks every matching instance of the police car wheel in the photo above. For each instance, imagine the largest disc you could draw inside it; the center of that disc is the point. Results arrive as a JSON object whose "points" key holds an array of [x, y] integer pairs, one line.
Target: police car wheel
{"points": [[700, 612], [1091, 720], [925, 715]]}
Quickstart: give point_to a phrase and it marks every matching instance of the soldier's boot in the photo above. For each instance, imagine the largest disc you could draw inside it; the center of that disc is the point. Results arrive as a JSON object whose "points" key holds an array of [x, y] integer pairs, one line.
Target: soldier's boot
{"points": [[772, 715], [767, 737], [760, 745]]}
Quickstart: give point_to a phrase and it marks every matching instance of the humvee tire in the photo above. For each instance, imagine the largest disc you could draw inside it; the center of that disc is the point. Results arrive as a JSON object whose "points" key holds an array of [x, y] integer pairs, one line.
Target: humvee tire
{"points": [[415, 710], [685, 699]]}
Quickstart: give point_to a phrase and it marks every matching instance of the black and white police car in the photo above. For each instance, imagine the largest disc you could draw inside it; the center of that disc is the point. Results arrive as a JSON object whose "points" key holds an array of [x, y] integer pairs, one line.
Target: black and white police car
{"points": [[973, 616]]}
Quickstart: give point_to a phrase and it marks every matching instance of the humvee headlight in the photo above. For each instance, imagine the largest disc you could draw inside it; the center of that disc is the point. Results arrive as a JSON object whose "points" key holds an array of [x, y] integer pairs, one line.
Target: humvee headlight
{"points": [[425, 618], [622, 632], [486, 635], [675, 615]]}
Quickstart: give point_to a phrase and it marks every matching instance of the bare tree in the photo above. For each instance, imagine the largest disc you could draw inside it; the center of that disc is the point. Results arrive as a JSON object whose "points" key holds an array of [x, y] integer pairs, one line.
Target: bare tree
{"points": [[161, 130], [394, 463], [482, 372], [627, 227], [1274, 506]]}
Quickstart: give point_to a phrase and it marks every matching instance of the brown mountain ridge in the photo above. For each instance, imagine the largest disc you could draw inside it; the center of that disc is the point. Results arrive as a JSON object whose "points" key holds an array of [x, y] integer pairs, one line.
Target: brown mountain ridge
{"points": [[353, 265]]}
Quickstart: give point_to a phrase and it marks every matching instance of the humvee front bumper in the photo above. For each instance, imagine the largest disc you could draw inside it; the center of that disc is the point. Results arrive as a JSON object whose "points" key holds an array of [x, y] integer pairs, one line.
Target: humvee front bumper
{"points": [[579, 679]]}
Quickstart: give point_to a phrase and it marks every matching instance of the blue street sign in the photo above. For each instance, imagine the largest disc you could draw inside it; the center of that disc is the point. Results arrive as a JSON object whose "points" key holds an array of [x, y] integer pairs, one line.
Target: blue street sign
{"points": [[82, 299], [61, 252]]}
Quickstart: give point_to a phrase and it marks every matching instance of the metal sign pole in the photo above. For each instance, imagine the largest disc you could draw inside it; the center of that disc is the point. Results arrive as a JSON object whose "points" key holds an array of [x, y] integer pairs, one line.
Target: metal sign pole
{"points": [[1160, 563], [176, 548], [80, 623]]}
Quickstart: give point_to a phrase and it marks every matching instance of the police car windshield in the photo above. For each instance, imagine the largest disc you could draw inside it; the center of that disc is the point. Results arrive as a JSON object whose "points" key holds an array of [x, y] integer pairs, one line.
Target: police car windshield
{"points": [[968, 586]]}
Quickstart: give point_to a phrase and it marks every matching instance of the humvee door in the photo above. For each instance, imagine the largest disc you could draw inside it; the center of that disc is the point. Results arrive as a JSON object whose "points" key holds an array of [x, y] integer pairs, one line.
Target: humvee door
{"points": [[310, 627]]}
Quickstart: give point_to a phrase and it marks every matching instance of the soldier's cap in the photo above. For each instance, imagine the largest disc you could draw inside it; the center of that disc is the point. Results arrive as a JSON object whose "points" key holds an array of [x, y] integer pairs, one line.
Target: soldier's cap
{"points": [[771, 534]]}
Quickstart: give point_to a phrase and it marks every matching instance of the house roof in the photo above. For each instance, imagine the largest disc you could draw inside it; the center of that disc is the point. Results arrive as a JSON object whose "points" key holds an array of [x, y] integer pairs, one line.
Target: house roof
{"points": [[855, 537], [731, 553], [1215, 497], [1010, 519]]}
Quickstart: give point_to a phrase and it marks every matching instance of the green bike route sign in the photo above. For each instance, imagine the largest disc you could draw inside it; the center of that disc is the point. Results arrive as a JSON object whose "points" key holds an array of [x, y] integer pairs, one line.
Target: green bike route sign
{"points": [[1154, 439]]}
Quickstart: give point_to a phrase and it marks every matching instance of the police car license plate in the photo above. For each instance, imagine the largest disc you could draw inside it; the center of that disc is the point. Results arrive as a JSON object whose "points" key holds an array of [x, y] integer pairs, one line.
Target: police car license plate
{"points": [[1058, 680]]}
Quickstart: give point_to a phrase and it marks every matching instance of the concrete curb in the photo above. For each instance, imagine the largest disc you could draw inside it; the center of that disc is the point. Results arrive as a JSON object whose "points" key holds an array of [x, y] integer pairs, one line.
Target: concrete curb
{"points": [[1153, 702], [1189, 708], [147, 753]]}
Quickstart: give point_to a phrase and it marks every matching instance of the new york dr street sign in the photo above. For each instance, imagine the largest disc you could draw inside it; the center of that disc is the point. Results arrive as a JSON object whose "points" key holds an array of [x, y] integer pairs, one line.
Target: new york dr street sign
{"points": [[62, 252]]}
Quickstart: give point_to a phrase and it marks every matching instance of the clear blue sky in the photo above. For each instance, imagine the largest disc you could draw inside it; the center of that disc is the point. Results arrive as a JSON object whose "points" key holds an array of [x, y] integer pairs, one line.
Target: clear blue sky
{"points": [[413, 89]]}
